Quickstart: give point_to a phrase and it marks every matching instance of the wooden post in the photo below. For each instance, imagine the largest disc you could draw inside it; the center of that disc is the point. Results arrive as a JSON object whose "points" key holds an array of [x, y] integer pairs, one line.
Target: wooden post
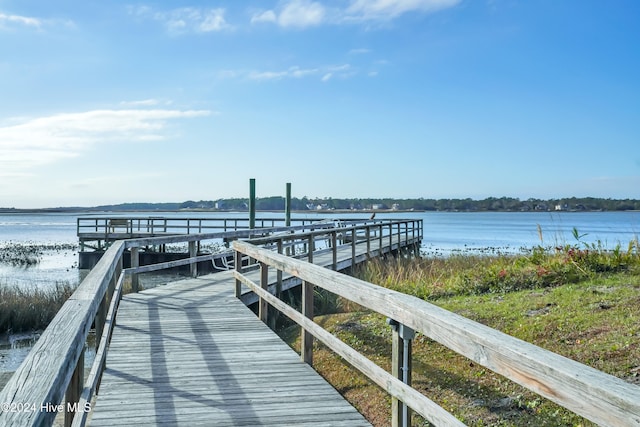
{"points": [[406, 233], [252, 203], [306, 342], [101, 317], [275, 314], [263, 307], [390, 237], [238, 264], [192, 253], [396, 371], [401, 367], [353, 247], [368, 242], [135, 262], [311, 248], [334, 249], [287, 206], [74, 390], [279, 272]]}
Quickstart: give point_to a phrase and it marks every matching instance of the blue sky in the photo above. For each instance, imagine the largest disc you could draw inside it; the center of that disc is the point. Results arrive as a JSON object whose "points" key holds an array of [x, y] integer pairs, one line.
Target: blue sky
{"points": [[123, 101]]}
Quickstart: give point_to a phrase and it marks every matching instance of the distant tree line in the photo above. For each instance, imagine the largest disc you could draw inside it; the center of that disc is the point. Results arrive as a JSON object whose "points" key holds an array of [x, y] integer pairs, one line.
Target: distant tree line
{"points": [[508, 204], [276, 203]]}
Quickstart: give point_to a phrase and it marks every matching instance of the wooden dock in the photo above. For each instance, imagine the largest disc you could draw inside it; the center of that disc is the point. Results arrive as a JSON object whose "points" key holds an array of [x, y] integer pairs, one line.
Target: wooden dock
{"points": [[190, 353], [193, 353]]}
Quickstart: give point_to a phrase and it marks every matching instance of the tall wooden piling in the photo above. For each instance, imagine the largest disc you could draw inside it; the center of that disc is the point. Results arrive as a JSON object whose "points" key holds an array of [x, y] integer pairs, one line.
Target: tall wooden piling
{"points": [[252, 203]]}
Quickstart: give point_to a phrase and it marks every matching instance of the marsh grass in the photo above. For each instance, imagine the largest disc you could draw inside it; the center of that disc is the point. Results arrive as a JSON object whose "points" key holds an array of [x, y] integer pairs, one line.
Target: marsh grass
{"points": [[580, 301], [28, 309]]}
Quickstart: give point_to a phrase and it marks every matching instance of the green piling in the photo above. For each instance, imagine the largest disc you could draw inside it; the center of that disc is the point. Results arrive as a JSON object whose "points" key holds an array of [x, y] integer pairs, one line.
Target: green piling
{"points": [[252, 203], [287, 206]]}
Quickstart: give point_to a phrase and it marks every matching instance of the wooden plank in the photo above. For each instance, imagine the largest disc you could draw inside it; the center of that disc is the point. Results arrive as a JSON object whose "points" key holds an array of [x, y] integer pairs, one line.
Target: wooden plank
{"points": [[190, 353]]}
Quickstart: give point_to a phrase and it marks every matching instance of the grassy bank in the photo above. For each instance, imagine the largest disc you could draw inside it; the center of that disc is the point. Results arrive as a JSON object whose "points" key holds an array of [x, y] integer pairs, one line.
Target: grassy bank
{"points": [[579, 301]]}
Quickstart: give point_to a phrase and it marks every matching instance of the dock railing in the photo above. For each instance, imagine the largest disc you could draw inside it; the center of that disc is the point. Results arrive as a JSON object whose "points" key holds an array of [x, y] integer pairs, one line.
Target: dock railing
{"points": [[103, 225], [592, 394], [51, 379]]}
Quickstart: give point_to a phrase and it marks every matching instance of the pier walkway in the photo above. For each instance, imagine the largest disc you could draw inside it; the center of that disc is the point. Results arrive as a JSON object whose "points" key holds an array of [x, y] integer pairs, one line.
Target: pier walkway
{"points": [[191, 353]]}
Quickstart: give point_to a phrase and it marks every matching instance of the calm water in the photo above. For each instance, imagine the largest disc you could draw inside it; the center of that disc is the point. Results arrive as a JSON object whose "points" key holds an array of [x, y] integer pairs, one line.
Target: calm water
{"points": [[444, 233]]}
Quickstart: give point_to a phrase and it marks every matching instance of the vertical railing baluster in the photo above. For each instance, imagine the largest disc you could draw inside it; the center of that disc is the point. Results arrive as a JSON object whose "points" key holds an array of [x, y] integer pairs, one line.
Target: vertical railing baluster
{"points": [[353, 246], [263, 307], [74, 390], [193, 266], [135, 263], [311, 248], [334, 249], [238, 264]]}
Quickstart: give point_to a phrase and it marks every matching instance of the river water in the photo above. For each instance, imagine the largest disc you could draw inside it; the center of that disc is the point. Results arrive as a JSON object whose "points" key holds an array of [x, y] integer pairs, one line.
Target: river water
{"points": [[444, 233]]}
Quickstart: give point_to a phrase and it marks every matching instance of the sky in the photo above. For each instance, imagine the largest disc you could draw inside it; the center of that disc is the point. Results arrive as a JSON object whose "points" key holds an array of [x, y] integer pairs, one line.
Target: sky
{"points": [[126, 101]]}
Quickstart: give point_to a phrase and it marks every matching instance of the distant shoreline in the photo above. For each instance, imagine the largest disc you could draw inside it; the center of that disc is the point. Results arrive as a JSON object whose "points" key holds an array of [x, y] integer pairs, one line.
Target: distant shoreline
{"points": [[319, 211]]}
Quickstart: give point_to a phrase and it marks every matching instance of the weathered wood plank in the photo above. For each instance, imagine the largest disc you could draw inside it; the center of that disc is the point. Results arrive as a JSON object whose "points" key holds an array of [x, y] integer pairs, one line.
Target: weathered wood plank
{"points": [[190, 353]]}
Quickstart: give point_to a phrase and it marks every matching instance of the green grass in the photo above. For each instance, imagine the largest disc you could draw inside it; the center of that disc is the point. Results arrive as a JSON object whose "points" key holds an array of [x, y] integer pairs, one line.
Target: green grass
{"points": [[578, 301]]}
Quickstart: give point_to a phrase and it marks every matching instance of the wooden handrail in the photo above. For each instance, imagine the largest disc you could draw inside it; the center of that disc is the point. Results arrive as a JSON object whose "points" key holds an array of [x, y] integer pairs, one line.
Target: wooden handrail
{"points": [[599, 397], [44, 376], [102, 224]]}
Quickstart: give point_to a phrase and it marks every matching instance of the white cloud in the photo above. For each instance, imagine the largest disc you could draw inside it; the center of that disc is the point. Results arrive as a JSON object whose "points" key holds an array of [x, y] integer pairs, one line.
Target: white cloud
{"points": [[266, 16], [186, 19], [293, 72], [301, 14], [144, 103], [308, 13], [389, 9], [359, 51], [293, 14], [325, 73], [19, 20], [45, 140]]}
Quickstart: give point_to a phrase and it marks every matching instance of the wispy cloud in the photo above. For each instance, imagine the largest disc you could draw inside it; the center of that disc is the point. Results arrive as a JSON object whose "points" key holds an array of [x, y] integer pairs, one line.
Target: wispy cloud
{"points": [[388, 9], [293, 14], [324, 73], [45, 140], [307, 13], [13, 20], [292, 72], [264, 16], [144, 103], [186, 19]]}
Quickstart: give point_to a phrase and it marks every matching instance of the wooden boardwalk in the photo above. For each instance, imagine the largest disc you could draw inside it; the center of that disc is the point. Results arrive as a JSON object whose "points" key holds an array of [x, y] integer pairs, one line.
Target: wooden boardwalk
{"points": [[190, 353]]}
